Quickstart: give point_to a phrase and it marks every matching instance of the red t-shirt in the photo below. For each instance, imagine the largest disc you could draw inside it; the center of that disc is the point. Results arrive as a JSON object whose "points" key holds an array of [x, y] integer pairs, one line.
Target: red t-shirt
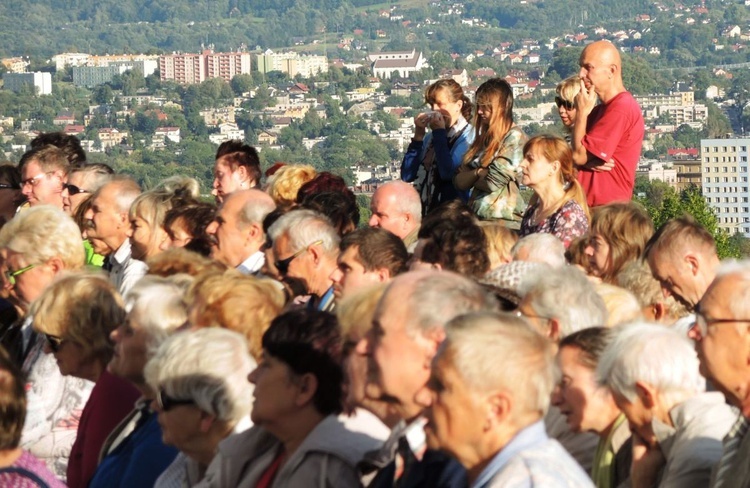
{"points": [[614, 131]]}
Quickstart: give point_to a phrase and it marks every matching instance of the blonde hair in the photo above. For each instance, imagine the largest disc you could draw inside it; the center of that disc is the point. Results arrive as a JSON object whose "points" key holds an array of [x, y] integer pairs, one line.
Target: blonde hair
{"points": [[237, 302], [286, 182], [43, 232], [488, 135], [83, 307], [356, 311], [179, 260], [554, 148], [500, 241], [568, 88], [622, 305]]}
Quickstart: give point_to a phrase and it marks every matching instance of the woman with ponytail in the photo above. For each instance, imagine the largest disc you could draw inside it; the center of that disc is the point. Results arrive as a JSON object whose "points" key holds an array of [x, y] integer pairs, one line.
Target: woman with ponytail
{"points": [[432, 159], [490, 167], [558, 206]]}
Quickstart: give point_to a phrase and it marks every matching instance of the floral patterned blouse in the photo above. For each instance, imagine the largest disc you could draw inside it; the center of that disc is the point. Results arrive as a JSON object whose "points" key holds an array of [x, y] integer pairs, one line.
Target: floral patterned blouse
{"points": [[566, 224]]}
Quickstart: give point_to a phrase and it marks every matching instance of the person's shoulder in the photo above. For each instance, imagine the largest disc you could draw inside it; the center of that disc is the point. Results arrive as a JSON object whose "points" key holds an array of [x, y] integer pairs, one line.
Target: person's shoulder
{"points": [[546, 464]]}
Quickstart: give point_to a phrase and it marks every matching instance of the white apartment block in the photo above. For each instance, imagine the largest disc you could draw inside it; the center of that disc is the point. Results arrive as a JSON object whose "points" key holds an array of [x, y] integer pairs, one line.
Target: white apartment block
{"points": [[292, 63], [724, 173], [64, 60]]}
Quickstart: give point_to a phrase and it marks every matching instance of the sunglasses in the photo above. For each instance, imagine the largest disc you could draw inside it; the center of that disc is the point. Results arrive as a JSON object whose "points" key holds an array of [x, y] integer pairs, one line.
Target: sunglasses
{"points": [[167, 403], [283, 265], [54, 342], [562, 102], [10, 276], [74, 190]]}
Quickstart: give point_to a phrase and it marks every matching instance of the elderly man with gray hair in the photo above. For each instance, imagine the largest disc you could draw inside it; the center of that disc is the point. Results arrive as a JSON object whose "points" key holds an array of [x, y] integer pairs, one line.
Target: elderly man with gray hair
{"points": [[489, 389], [540, 248], [237, 230], [306, 246], [407, 329], [559, 302], [397, 208], [653, 372]]}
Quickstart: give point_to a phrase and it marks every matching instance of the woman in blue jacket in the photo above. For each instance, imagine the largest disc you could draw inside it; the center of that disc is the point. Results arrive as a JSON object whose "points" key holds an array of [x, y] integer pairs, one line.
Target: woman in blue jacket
{"points": [[431, 160]]}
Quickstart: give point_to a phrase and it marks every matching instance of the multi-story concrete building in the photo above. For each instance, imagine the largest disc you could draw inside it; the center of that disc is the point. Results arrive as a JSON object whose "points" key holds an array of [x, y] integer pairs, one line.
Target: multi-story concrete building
{"points": [[64, 60], [724, 172], [90, 76], [42, 82], [292, 63], [15, 65], [197, 68]]}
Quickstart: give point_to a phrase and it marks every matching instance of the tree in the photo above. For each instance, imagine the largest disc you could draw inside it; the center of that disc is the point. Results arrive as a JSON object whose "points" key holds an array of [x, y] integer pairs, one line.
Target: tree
{"points": [[242, 84]]}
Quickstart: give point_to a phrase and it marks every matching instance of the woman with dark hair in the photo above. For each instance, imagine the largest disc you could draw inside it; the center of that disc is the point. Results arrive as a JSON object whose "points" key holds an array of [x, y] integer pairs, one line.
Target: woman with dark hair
{"points": [[297, 439], [432, 159], [186, 226], [490, 166]]}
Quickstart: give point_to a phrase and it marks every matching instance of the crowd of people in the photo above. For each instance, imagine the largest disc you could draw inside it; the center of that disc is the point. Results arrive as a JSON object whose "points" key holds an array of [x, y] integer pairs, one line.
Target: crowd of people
{"points": [[461, 337]]}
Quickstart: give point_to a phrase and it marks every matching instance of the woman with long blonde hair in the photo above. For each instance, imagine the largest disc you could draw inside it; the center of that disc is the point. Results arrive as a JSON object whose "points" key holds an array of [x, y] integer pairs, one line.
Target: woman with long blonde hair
{"points": [[558, 206], [490, 165]]}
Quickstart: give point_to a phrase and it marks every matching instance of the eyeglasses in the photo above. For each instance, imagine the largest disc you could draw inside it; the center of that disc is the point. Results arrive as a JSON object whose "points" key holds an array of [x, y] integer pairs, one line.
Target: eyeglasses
{"points": [[702, 322], [167, 403], [561, 101], [33, 181], [10, 276], [74, 190], [283, 265], [54, 342], [522, 315]]}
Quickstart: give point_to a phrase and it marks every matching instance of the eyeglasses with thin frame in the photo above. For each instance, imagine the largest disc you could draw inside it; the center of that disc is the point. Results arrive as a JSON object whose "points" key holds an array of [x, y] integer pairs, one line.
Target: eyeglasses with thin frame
{"points": [[74, 190], [35, 180], [702, 322], [167, 403], [559, 101], [522, 315], [10, 276], [54, 342], [283, 265]]}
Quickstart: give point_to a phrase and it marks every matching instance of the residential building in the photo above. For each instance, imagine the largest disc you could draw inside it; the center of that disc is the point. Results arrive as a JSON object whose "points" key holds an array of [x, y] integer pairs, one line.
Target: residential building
{"points": [[42, 82], [227, 132], [64, 60], [292, 63], [167, 133], [396, 63], [91, 76], [725, 175], [197, 68], [212, 117], [15, 65], [110, 137]]}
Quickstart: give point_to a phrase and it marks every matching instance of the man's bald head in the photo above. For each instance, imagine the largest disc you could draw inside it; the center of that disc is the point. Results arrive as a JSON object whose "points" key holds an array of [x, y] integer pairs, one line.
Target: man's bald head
{"points": [[397, 208], [601, 68]]}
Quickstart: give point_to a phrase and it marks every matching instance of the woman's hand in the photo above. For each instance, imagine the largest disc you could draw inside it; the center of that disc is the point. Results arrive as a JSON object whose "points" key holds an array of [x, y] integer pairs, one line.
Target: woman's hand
{"points": [[420, 125], [437, 121]]}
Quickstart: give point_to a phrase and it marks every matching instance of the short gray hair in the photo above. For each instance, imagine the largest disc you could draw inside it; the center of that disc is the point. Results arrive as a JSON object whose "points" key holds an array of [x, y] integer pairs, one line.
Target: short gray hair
{"points": [[500, 350], [43, 232], [407, 198], [541, 248], [740, 271], [159, 305], [127, 191], [637, 278], [257, 206], [438, 296], [659, 356], [209, 366], [303, 227], [567, 295]]}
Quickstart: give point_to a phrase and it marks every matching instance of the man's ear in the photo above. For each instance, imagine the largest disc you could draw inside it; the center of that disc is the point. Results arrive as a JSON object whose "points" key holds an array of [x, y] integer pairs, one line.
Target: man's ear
{"points": [[554, 330], [646, 393], [693, 262]]}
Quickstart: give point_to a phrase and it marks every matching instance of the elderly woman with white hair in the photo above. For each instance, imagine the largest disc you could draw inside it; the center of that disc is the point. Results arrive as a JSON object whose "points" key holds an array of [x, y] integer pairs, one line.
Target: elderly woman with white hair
{"points": [[36, 247], [134, 454], [485, 402], [202, 396], [677, 426]]}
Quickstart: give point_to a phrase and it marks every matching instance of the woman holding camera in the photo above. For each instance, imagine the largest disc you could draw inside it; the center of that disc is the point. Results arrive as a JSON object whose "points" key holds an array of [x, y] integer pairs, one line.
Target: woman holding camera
{"points": [[432, 159]]}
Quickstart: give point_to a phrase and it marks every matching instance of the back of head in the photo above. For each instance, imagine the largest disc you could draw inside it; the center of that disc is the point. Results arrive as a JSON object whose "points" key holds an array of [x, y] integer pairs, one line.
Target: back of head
{"points": [[540, 248], [341, 208], [69, 144], [678, 236], [159, 305], [377, 249], [499, 351], [194, 219], [286, 182], [303, 227], [659, 356], [322, 183], [94, 175], [12, 403], [235, 153], [457, 244], [626, 227], [180, 260], [500, 241], [565, 294], [637, 278], [622, 306], [43, 232], [309, 341], [436, 297], [405, 197]]}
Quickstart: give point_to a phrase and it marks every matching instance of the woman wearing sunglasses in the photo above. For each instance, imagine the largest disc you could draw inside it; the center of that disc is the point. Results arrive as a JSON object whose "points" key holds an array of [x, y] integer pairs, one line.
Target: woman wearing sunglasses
{"points": [[76, 315], [565, 96], [134, 454], [202, 396]]}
